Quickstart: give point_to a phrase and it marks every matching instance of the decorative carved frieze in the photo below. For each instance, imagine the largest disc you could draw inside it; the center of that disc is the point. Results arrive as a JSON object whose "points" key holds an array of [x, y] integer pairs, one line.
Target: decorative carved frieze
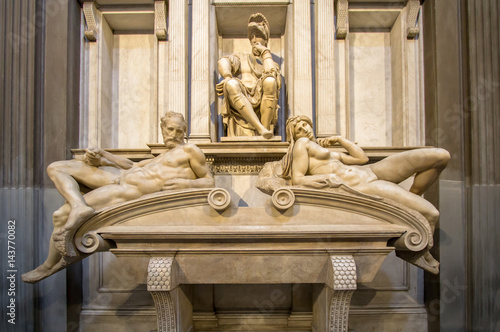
{"points": [[161, 20], [412, 28], [89, 14], [250, 3], [237, 165], [342, 19]]}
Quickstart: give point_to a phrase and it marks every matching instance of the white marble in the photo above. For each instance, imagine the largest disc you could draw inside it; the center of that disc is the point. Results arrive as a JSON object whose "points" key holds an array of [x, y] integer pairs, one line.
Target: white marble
{"points": [[370, 88], [302, 68], [134, 105], [325, 69], [177, 56], [105, 117], [407, 89], [243, 191], [200, 74]]}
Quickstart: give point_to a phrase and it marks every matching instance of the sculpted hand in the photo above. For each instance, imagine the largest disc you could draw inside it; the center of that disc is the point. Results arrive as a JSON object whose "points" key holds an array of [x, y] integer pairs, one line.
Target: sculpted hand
{"points": [[258, 49], [220, 86], [176, 184], [334, 140], [93, 157]]}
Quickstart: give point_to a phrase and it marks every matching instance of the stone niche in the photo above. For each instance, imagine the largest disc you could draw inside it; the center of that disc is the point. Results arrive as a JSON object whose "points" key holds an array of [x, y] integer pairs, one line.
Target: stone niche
{"points": [[231, 27], [119, 80], [384, 73], [358, 62]]}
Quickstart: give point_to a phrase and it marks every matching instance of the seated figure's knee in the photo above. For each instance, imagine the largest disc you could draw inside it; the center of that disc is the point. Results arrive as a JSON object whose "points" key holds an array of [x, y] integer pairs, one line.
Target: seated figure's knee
{"points": [[269, 86], [443, 156], [432, 215], [60, 216], [54, 167], [233, 87]]}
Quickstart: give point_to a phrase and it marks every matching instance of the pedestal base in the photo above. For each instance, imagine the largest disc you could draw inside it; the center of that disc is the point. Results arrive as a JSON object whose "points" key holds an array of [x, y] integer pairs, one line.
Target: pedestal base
{"points": [[330, 309]]}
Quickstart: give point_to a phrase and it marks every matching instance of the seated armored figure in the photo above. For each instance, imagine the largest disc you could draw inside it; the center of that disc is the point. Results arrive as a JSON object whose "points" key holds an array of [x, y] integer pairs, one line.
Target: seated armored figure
{"points": [[182, 166], [309, 163], [251, 102]]}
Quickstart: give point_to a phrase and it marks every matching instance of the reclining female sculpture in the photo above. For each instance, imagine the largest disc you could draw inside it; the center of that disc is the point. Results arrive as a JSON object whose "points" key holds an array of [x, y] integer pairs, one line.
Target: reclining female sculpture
{"points": [[309, 163]]}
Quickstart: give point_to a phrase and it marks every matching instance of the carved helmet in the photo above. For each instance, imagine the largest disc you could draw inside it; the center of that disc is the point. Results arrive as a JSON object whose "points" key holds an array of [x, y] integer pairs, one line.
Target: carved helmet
{"points": [[258, 25]]}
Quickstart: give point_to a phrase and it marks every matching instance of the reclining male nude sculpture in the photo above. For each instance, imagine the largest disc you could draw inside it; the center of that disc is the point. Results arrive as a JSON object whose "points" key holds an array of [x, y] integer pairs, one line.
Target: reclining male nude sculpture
{"points": [[182, 166], [309, 163]]}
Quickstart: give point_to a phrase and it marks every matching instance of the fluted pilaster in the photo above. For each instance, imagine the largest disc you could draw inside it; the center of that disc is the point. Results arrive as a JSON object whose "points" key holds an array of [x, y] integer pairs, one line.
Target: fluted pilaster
{"points": [[177, 56], [325, 68], [200, 71], [302, 67]]}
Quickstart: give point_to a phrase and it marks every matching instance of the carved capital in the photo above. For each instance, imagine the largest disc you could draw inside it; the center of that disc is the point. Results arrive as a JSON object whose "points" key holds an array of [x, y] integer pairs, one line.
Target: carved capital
{"points": [[160, 282], [344, 285], [89, 14], [413, 8], [161, 20], [160, 274], [342, 19]]}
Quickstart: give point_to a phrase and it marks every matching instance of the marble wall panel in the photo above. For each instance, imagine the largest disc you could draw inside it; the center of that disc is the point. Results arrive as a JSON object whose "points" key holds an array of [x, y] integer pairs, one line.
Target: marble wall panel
{"points": [[370, 88], [133, 83], [242, 189]]}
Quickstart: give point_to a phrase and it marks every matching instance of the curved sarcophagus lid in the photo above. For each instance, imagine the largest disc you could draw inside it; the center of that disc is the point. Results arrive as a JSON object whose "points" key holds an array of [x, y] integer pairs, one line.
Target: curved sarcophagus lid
{"points": [[294, 220]]}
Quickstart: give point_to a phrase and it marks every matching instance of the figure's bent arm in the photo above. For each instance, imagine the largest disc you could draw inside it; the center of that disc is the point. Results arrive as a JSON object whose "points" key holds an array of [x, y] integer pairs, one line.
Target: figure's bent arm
{"points": [[355, 156], [106, 158], [200, 167], [225, 67], [268, 62]]}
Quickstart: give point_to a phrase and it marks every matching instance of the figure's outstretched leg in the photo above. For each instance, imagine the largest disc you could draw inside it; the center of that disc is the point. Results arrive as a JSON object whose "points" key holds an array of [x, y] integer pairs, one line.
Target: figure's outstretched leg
{"points": [[240, 102], [54, 260], [426, 164], [400, 195], [67, 175], [269, 101], [99, 198], [60, 173]]}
